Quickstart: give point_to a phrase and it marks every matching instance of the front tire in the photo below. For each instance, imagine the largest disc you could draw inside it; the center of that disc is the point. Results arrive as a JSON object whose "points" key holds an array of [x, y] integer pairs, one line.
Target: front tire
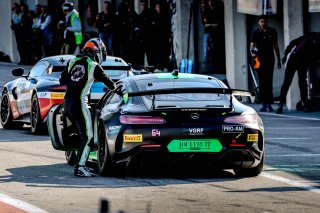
{"points": [[37, 125], [251, 172], [104, 161]]}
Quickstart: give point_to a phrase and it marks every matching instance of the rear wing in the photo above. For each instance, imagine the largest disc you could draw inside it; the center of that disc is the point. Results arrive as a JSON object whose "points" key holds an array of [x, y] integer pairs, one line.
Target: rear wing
{"points": [[224, 91]]}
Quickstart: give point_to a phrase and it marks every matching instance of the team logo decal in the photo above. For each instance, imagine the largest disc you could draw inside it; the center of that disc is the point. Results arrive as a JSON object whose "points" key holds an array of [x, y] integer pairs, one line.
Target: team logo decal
{"points": [[195, 116], [77, 72]]}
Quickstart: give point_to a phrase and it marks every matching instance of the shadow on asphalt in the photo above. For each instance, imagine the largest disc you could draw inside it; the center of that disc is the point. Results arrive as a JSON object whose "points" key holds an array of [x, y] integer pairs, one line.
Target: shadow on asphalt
{"points": [[21, 135], [61, 176]]}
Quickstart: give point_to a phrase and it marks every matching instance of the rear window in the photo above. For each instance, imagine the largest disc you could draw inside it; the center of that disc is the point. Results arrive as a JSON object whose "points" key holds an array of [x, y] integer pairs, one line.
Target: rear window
{"points": [[183, 99]]}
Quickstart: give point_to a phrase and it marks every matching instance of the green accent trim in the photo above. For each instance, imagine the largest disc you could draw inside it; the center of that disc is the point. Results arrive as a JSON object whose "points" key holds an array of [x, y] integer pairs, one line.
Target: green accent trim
{"points": [[170, 76], [126, 98], [83, 109], [195, 145], [93, 155]]}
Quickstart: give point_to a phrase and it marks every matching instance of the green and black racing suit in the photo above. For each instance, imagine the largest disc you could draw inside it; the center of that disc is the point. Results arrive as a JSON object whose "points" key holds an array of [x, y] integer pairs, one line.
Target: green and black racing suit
{"points": [[79, 77]]}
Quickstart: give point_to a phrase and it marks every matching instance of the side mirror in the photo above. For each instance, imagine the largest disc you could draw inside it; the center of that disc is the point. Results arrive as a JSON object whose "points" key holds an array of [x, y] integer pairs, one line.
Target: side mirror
{"points": [[18, 72]]}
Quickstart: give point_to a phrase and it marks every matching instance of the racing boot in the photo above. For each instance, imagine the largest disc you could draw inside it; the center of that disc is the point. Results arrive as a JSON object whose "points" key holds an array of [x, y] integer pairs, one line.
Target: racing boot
{"points": [[83, 171], [307, 106], [280, 109]]}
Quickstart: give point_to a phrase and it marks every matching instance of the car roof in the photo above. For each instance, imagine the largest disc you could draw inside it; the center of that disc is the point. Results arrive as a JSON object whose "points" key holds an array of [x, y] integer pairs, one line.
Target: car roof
{"points": [[58, 60], [62, 60], [114, 61]]}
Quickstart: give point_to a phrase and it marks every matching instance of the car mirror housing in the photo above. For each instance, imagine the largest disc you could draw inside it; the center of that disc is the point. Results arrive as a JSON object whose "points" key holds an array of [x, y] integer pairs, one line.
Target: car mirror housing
{"points": [[18, 72]]}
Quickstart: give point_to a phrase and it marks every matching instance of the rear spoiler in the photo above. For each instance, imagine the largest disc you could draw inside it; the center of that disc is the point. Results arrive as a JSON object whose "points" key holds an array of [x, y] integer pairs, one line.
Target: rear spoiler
{"points": [[224, 91], [124, 68]]}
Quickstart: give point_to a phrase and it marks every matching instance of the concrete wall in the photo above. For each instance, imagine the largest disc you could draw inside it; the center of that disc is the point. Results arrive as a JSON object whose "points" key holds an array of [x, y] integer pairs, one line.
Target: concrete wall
{"points": [[236, 46], [293, 28], [7, 38], [181, 40]]}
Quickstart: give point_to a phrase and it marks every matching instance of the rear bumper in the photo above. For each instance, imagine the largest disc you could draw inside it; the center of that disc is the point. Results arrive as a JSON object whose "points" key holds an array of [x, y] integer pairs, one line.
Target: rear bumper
{"points": [[226, 159]]}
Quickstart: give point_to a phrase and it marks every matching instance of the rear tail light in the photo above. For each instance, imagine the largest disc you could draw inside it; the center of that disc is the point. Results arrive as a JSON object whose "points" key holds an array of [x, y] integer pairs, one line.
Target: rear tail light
{"points": [[132, 119], [150, 146], [242, 119]]}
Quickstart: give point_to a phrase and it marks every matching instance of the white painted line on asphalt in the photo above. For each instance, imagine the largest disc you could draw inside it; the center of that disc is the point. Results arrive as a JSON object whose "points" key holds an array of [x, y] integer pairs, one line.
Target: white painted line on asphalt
{"points": [[291, 182], [295, 155], [20, 204], [291, 116]]}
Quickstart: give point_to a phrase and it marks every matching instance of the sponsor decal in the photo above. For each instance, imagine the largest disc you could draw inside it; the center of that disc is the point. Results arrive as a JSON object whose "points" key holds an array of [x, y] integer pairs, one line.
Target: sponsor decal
{"points": [[193, 110], [155, 132], [252, 138], [232, 129], [196, 131], [132, 138], [42, 94], [114, 129], [57, 95]]}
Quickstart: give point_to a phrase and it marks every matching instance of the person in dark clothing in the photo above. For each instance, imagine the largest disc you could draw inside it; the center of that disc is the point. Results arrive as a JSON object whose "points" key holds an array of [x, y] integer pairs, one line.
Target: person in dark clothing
{"points": [[122, 31], [46, 26], [26, 30], [78, 77], [104, 23], [17, 29], [264, 42], [36, 38], [213, 20], [305, 52], [145, 17], [160, 35], [136, 37]]}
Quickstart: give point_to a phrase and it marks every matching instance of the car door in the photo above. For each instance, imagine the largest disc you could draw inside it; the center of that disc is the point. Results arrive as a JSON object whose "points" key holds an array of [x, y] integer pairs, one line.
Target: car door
{"points": [[25, 86]]}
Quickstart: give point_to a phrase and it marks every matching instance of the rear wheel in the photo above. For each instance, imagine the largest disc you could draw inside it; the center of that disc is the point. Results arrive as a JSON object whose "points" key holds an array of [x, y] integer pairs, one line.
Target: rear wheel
{"points": [[6, 114], [104, 162], [71, 157], [251, 172], [37, 125]]}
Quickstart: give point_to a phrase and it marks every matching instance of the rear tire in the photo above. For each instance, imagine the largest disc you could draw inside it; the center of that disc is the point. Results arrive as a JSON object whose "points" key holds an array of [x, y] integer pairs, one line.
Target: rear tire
{"points": [[104, 161], [71, 157], [6, 113], [251, 172], [37, 126]]}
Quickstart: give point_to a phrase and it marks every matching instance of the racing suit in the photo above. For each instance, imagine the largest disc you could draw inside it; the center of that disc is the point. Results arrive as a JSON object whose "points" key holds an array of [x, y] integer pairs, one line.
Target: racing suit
{"points": [[78, 77]]}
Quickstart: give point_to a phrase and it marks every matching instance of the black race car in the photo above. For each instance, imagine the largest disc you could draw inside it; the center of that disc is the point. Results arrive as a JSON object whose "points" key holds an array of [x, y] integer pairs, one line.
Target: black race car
{"points": [[172, 117], [28, 98]]}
